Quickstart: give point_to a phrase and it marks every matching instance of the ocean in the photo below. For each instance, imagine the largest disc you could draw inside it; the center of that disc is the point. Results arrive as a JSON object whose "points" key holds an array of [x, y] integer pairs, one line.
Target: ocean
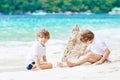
{"points": [[17, 34], [24, 27]]}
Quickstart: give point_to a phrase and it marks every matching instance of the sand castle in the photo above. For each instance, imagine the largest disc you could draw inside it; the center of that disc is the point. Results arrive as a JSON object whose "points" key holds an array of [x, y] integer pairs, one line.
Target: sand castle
{"points": [[75, 47]]}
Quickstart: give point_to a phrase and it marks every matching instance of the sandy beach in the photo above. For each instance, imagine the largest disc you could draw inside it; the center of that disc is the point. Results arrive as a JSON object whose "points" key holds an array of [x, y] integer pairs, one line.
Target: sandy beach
{"points": [[13, 67], [107, 71]]}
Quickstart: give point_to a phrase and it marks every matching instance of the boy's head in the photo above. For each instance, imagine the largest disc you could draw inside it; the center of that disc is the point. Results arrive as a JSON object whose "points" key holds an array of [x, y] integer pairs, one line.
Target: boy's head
{"points": [[86, 36], [43, 34]]}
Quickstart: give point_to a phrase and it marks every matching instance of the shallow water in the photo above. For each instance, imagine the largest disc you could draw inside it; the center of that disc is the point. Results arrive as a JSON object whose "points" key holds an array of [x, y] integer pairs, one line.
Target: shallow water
{"points": [[24, 27]]}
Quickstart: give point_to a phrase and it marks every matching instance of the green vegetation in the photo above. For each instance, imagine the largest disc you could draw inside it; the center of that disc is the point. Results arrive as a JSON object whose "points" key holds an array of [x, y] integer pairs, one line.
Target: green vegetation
{"points": [[49, 6]]}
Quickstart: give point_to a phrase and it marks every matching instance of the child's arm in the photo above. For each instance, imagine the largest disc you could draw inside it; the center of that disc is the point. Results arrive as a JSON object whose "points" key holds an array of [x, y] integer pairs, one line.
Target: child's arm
{"points": [[86, 51], [37, 62], [105, 56], [44, 59]]}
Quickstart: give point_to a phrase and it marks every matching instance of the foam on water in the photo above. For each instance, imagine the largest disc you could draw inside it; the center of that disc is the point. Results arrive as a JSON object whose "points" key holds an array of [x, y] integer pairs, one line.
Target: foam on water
{"points": [[23, 28]]}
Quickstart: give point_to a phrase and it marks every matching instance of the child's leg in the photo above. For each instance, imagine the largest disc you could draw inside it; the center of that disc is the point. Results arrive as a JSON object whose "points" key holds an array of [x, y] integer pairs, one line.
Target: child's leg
{"points": [[89, 57], [45, 65]]}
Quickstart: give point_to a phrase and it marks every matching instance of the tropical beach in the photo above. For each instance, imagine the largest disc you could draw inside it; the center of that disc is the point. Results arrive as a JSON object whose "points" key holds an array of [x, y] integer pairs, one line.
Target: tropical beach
{"points": [[21, 19], [17, 34]]}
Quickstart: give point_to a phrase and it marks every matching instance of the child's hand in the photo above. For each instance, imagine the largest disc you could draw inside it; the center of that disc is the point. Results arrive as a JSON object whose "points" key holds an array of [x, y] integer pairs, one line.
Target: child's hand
{"points": [[99, 62]]}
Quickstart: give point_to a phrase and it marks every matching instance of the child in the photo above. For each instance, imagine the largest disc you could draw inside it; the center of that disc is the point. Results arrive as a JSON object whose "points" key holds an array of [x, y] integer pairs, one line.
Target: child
{"points": [[37, 57], [96, 52]]}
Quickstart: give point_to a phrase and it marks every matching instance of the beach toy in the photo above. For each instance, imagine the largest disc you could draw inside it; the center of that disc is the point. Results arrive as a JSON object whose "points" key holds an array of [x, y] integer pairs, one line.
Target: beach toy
{"points": [[29, 67]]}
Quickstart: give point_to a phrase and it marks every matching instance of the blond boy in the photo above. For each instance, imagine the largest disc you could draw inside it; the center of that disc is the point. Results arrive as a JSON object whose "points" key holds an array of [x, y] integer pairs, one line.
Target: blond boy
{"points": [[36, 59]]}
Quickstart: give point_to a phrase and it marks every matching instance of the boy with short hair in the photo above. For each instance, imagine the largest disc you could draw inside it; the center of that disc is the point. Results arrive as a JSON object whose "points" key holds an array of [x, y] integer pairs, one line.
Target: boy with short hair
{"points": [[36, 59], [97, 51]]}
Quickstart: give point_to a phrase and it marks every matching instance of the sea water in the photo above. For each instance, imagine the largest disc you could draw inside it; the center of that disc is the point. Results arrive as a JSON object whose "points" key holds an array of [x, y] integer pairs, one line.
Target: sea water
{"points": [[18, 33]]}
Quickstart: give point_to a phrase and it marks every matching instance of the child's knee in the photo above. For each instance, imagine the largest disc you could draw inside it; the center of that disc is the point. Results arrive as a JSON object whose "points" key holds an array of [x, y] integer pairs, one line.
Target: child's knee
{"points": [[89, 54]]}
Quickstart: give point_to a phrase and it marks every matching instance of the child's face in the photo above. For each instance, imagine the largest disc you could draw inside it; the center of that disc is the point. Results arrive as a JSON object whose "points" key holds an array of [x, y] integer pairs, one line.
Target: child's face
{"points": [[42, 40]]}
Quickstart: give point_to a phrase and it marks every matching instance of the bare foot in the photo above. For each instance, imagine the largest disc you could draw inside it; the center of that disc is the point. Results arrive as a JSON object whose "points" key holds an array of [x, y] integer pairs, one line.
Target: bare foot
{"points": [[62, 64], [70, 64], [34, 69]]}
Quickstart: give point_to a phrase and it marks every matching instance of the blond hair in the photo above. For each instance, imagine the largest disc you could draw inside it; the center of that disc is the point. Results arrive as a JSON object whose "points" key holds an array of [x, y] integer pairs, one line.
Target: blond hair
{"points": [[43, 33]]}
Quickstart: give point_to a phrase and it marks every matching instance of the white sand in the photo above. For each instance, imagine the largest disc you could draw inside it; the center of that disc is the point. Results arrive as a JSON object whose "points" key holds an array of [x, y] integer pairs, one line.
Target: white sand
{"points": [[12, 64], [107, 71]]}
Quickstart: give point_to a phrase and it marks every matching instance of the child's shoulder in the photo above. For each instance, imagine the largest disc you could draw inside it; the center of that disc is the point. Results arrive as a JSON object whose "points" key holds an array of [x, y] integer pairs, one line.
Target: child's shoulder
{"points": [[98, 39], [35, 44]]}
